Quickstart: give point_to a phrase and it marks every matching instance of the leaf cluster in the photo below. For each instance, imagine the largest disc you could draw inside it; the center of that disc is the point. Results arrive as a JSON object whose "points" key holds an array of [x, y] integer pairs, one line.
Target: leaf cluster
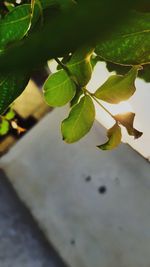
{"points": [[77, 34]]}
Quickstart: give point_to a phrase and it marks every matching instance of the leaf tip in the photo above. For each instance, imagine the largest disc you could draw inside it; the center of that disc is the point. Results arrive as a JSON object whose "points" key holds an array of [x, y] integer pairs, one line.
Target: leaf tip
{"points": [[137, 134], [101, 147]]}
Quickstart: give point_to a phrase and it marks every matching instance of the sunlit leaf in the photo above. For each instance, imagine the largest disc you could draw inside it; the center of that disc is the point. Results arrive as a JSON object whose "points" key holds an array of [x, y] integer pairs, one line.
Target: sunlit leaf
{"points": [[144, 73], [59, 89], [118, 88], [127, 120], [79, 121], [10, 6], [10, 115], [80, 66], [4, 127], [114, 138]]}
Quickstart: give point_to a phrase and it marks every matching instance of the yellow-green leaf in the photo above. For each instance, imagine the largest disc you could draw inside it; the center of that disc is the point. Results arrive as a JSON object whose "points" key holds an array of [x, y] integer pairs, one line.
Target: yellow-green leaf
{"points": [[4, 127], [127, 121], [79, 121], [114, 138], [80, 66], [9, 6], [59, 89], [10, 115], [118, 87]]}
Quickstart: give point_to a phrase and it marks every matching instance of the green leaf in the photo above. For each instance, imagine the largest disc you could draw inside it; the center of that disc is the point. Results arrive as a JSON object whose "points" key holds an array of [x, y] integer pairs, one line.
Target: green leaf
{"points": [[11, 86], [15, 25], [79, 121], [4, 127], [36, 12], [57, 3], [114, 135], [85, 23], [145, 73], [80, 66], [9, 6], [10, 115], [119, 69], [127, 121], [94, 60], [130, 43], [118, 88], [59, 89]]}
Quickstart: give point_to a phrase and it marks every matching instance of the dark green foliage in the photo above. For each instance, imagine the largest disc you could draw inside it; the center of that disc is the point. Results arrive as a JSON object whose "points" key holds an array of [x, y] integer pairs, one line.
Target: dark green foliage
{"points": [[81, 33]]}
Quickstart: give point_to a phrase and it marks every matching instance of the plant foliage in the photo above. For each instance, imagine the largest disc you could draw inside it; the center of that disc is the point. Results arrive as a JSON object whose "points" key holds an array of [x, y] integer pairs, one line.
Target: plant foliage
{"points": [[77, 34]]}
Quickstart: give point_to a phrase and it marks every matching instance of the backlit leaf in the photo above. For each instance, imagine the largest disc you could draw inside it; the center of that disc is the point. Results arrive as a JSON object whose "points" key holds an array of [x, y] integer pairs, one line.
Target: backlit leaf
{"points": [[4, 127], [79, 121], [80, 66], [127, 121], [118, 88], [59, 89], [114, 135], [10, 115]]}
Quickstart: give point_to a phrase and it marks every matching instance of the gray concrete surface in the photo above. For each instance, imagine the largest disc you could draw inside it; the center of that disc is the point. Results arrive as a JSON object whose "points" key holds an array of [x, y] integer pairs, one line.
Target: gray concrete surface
{"points": [[21, 242], [93, 206]]}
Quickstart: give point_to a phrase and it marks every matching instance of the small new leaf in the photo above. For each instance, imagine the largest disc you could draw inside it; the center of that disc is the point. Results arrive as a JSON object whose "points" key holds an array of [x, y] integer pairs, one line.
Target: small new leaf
{"points": [[114, 138], [59, 89], [10, 115], [79, 121], [9, 6], [118, 88], [4, 127], [127, 120]]}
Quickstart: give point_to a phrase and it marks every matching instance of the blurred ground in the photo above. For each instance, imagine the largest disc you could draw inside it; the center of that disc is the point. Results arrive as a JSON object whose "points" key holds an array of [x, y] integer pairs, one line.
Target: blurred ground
{"points": [[93, 206], [21, 242]]}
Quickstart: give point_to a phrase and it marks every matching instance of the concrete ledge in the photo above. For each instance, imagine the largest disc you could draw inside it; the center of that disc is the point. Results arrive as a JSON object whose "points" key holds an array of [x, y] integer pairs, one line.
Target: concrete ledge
{"points": [[93, 206]]}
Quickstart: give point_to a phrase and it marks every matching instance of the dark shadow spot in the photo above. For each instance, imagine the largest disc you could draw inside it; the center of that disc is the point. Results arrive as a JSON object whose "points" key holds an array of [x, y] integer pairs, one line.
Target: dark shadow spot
{"points": [[88, 178], [102, 189], [72, 242]]}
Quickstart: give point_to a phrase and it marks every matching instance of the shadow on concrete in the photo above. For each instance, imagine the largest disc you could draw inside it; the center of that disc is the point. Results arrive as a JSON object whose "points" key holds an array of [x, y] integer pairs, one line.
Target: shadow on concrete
{"points": [[21, 241]]}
